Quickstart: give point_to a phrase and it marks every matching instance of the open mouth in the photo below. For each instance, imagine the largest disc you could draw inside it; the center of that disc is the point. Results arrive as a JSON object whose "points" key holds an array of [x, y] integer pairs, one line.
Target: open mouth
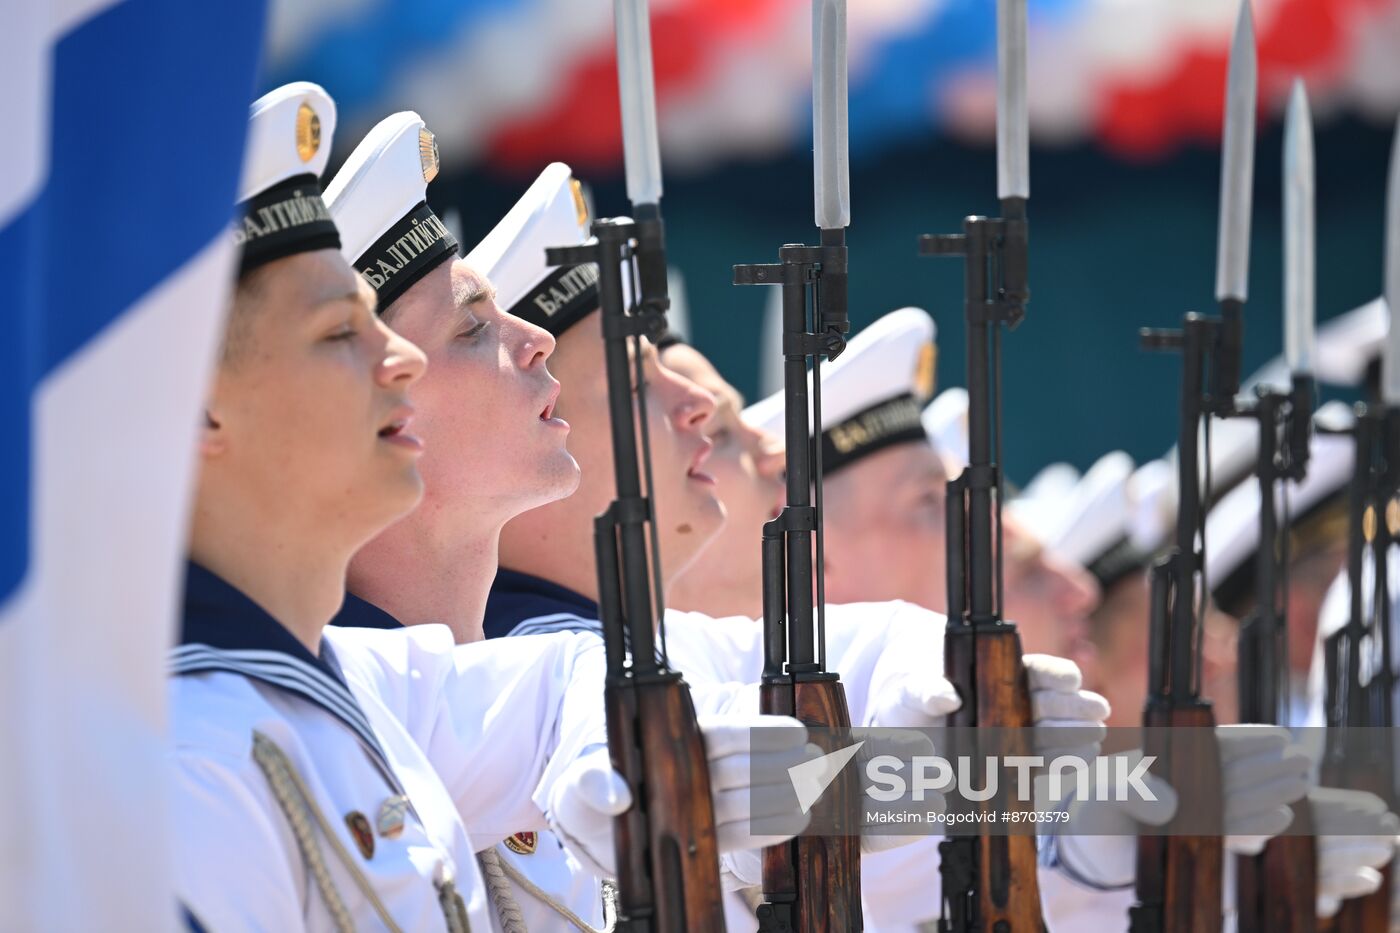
{"points": [[699, 459], [395, 430], [547, 412]]}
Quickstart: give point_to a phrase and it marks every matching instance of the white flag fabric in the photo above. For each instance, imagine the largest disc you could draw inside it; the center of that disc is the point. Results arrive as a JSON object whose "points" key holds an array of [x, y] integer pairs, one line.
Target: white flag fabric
{"points": [[123, 125]]}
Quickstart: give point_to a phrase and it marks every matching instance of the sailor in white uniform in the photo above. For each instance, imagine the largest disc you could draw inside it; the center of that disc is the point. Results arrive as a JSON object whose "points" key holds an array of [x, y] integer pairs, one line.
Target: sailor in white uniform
{"points": [[888, 654], [320, 782], [488, 377], [874, 436]]}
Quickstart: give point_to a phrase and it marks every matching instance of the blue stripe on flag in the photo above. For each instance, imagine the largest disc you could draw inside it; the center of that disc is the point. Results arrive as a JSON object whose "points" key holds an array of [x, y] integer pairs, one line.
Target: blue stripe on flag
{"points": [[150, 106]]}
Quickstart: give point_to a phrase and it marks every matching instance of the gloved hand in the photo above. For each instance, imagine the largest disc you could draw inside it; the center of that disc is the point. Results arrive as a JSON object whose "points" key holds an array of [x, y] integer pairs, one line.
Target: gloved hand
{"points": [[1356, 836], [749, 780], [582, 805], [1098, 845], [919, 700], [1068, 720], [1263, 772]]}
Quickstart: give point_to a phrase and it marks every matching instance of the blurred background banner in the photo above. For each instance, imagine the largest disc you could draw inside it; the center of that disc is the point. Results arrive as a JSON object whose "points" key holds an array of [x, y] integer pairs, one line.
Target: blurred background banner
{"points": [[124, 126], [1126, 103]]}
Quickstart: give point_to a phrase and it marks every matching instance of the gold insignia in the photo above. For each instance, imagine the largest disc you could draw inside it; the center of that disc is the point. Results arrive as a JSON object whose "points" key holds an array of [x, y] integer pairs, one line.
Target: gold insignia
{"points": [[1392, 516], [427, 153], [1368, 524], [391, 816], [523, 843], [308, 132], [358, 825], [926, 371], [580, 205]]}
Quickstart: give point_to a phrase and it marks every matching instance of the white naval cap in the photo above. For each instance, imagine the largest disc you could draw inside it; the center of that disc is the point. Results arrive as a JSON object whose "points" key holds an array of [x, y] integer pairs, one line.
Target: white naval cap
{"points": [[945, 421], [872, 394], [1039, 505], [280, 209], [379, 200], [1129, 521], [1094, 515], [552, 212], [1346, 345], [1232, 527]]}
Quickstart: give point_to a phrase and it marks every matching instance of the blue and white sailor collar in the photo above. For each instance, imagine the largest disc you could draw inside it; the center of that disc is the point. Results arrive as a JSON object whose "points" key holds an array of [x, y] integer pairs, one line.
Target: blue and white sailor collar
{"points": [[521, 604], [224, 630], [361, 613]]}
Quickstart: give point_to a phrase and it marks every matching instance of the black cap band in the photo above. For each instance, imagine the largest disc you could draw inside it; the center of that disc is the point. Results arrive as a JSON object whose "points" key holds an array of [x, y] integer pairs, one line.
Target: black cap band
{"points": [[566, 296], [1120, 560], [412, 248], [282, 221], [896, 420]]}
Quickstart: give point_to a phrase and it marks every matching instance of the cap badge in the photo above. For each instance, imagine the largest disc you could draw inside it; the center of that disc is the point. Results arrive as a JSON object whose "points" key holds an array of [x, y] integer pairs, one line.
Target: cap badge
{"points": [[428, 153], [926, 371], [308, 132], [358, 825], [523, 843], [580, 205], [391, 815]]}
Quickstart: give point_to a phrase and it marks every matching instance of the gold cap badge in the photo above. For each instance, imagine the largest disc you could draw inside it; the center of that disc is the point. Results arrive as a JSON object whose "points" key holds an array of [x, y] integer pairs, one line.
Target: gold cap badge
{"points": [[580, 205], [926, 371], [428, 153], [308, 132]]}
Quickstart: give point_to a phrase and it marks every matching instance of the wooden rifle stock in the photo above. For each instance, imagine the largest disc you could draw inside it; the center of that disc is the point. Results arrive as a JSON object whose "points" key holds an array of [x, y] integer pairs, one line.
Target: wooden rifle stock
{"points": [[987, 665], [667, 852], [814, 880]]}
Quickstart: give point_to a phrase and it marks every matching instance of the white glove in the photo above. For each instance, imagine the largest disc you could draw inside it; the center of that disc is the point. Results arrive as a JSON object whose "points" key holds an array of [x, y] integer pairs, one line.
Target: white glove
{"points": [[750, 780], [916, 701], [1068, 720], [1263, 772], [1098, 845], [582, 805], [1356, 836]]}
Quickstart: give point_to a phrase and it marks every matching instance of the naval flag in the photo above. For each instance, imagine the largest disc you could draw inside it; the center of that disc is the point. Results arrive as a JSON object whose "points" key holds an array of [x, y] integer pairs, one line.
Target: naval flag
{"points": [[123, 124]]}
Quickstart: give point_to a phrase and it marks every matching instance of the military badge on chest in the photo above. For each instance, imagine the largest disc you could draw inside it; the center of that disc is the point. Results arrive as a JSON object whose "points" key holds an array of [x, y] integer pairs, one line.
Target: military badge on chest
{"points": [[360, 831], [523, 843]]}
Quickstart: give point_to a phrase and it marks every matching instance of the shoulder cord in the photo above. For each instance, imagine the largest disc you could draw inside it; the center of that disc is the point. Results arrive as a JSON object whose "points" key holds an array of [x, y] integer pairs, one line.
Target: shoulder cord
{"points": [[492, 862], [502, 897], [296, 802]]}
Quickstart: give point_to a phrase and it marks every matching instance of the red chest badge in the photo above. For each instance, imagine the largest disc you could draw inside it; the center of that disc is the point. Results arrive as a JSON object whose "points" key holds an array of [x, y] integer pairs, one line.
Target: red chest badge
{"points": [[523, 843]]}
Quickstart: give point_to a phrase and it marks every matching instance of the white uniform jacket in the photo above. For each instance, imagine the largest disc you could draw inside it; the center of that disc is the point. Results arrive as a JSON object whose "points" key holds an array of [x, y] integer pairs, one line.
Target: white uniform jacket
{"points": [[399, 743]]}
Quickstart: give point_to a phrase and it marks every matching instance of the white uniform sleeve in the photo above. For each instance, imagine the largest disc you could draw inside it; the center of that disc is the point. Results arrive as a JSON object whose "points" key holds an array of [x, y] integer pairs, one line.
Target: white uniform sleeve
{"points": [[226, 845], [867, 643], [499, 720]]}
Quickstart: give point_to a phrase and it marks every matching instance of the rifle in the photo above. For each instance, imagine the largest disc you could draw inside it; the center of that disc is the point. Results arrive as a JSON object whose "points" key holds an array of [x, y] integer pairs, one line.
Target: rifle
{"points": [[1276, 890], [1350, 700], [666, 846], [1373, 526], [989, 882], [812, 882], [1179, 876]]}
